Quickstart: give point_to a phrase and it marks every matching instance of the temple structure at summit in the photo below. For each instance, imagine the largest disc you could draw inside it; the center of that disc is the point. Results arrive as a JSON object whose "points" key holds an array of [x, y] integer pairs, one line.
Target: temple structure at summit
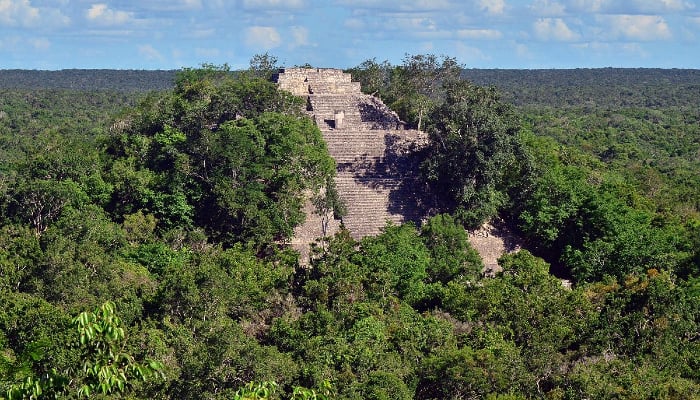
{"points": [[376, 177], [369, 143]]}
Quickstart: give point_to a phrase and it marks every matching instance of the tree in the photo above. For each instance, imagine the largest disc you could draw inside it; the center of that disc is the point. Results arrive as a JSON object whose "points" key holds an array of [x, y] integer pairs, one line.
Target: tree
{"points": [[473, 150], [263, 66], [42, 201], [374, 77], [230, 155], [452, 257], [416, 85], [105, 367], [397, 261]]}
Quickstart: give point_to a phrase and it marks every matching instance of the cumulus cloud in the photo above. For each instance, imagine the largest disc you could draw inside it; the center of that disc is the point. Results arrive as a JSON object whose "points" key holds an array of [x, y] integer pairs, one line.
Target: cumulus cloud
{"points": [[414, 24], [398, 5], [101, 14], [554, 29], [662, 6], [273, 4], [262, 37], [21, 13], [631, 6], [590, 6], [18, 13], [495, 7], [40, 43], [547, 8], [489, 34], [191, 4], [637, 27], [634, 49]]}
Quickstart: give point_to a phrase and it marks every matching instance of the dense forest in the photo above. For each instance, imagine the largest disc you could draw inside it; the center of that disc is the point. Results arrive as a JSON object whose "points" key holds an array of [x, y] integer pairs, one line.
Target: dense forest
{"points": [[88, 80], [144, 238]]}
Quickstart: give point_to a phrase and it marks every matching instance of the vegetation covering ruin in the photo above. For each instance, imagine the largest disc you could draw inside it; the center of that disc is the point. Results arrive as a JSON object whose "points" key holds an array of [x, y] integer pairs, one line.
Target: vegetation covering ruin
{"points": [[143, 243]]}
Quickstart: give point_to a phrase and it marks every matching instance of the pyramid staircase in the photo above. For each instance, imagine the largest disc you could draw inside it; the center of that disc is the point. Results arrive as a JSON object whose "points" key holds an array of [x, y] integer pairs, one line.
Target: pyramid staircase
{"points": [[375, 176]]}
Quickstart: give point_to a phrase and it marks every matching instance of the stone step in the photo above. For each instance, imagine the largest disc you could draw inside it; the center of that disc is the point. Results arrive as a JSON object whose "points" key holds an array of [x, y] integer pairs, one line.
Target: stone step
{"points": [[369, 137]]}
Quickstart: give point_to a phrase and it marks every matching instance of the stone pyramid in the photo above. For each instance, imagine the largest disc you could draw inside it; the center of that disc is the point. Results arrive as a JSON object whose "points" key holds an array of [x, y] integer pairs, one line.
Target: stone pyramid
{"points": [[371, 146]]}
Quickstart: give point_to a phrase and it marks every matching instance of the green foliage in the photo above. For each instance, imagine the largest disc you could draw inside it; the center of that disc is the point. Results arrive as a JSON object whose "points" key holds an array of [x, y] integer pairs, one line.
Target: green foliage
{"points": [[106, 369], [104, 366], [474, 152], [417, 84], [452, 258], [232, 156], [595, 225], [263, 66], [267, 390], [397, 263], [179, 220], [374, 77]]}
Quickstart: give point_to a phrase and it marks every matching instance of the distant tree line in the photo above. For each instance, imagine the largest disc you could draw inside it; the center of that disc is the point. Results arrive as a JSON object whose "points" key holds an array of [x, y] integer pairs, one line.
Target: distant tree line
{"points": [[89, 79]]}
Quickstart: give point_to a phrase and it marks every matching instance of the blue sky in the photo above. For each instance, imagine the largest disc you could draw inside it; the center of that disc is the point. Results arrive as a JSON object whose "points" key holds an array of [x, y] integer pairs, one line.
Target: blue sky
{"points": [[170, 34]]}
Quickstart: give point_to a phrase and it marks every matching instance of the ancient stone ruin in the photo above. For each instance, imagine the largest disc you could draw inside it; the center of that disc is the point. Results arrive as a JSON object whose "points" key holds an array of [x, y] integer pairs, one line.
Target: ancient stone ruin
{"points": [[375, 178]]}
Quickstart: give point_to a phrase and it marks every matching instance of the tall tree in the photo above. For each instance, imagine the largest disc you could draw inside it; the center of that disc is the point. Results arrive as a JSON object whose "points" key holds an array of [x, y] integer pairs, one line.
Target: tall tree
{"points": [[416, 85], [474, 151]]}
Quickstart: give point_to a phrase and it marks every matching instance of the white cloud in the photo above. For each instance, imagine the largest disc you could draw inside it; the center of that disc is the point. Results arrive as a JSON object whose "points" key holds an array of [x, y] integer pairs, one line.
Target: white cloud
{"points": [[634, 49], [21, 13], [554, 29], [489, 34], [590, 6], [547, 8], [677, 4], [597, 46], [192, 4], [399, 5], [17, 43], [423, 5], [630, 6], [51, 17], [40, 43], [637, 27], [274, 4], [300, 36], [18, 13], [495, 7], [414, 24], [103, 15], [522, 51], [149, 53], [605, 48], [662, 6], [262, 37]]}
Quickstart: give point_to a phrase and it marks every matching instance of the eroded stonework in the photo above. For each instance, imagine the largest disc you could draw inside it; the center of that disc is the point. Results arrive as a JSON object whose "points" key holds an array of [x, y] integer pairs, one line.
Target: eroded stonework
{"points": [[375, 175]]}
